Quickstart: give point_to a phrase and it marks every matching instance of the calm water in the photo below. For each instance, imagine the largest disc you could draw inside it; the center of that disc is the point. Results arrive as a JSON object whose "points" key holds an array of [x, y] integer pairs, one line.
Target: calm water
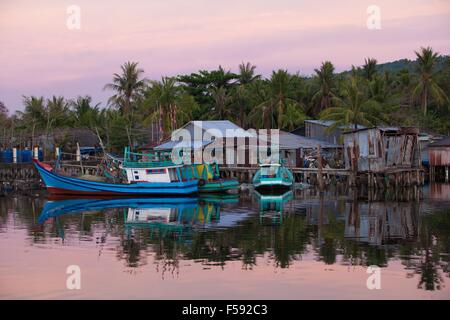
{"points": [[247, 247]]}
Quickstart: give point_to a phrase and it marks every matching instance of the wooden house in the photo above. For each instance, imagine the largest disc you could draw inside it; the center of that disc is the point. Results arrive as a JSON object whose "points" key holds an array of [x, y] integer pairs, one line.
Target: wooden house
{"points": [[381, 149]]}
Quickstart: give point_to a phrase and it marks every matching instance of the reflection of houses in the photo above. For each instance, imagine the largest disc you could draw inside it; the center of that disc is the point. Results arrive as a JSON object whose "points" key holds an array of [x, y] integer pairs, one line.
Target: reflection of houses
{"points": [[380, 222], [439, 155], [375, 223], [381, 149], [439, 192]]}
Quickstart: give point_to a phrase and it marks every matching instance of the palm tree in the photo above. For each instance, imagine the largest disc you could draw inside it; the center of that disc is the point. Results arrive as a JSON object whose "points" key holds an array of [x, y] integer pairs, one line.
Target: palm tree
{"points": [[246, 77], [164, 97], [278, 95], [221, 100], [247, 73], [57, 112], [34, 114], [353, 110], [3, 110], [84, 114], [128, 87], [325, 77], [370, 68], [427, 85], [292, 117]]}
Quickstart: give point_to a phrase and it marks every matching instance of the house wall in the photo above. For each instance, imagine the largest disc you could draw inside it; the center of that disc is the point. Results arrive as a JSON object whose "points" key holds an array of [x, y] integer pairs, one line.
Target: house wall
{"points": [[365, 148], [318, 131], [374, 150], [439, 156]]}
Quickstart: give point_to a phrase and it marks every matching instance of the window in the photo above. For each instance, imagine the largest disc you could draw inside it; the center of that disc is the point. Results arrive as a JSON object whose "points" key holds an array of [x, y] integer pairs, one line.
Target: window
{"points": [[156, 171]]}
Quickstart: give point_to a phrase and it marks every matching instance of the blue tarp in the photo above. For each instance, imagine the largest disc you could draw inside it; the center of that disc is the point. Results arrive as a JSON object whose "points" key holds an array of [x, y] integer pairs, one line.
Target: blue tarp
{"points": [[23, 156]]}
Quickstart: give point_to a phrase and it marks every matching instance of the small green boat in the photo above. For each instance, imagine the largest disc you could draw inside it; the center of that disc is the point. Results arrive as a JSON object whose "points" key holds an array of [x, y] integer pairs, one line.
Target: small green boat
{"points": [[273, 177], [209, 179]]}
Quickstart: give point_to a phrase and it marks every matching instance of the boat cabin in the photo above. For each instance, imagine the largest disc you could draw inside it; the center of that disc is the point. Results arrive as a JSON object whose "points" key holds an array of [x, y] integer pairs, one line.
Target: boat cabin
{"points": [[154, 167]]}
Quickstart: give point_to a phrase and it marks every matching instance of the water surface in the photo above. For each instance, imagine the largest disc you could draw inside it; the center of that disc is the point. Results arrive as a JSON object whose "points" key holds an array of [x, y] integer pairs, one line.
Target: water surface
{"points": [[291, 246]]}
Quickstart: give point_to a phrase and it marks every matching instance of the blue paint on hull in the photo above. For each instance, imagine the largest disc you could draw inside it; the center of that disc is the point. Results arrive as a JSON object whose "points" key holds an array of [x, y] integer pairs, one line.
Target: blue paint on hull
{"points": [[59, 184], [53, 209]]}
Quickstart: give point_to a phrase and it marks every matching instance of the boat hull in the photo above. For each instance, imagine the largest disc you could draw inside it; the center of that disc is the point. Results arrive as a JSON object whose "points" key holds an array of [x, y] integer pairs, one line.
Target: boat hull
{"points": [[59, 184], [219, 186]]}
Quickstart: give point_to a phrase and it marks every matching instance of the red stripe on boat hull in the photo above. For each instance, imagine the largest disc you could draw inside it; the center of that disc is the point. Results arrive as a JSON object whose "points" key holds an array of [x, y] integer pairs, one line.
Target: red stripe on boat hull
{"points": [[54, 190]]}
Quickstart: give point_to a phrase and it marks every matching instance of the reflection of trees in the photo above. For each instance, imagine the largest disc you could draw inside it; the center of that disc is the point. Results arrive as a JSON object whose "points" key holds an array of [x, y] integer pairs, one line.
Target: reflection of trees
{"points": [[432, 249], [425, 254]]}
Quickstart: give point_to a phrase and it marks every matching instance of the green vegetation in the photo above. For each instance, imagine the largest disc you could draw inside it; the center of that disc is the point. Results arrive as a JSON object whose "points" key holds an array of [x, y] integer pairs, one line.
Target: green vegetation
{"points": [[409, 93]]}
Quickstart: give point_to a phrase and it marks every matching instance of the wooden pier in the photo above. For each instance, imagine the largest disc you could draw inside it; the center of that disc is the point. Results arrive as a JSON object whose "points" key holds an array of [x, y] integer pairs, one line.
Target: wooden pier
{"points": [[377, 180], [24, 175]]}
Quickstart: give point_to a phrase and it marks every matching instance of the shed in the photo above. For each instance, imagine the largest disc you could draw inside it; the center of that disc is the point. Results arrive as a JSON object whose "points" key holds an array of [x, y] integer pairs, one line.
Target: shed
{"points": [[319, 129], [439, 155], [379, 149], [294, 148], [198, 133]]}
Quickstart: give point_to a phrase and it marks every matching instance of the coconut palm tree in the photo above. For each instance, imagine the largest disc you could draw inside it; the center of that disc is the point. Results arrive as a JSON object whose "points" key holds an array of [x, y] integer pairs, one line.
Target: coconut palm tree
{"points": [[128, 86], [3, 110], [278, 94], [167, 103], [370, 68], [247, 73], [354, 109], [326, 79], [84, 114], [57, 112], [427, 85], [221, 100], [34, 114], [240, 95], [292, 117]]}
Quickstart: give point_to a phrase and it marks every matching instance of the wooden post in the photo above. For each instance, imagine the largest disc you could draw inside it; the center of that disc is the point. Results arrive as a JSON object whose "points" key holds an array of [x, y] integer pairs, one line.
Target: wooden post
{"points": [[14, 150], [35, 152], [319, 171], [78, 155]]}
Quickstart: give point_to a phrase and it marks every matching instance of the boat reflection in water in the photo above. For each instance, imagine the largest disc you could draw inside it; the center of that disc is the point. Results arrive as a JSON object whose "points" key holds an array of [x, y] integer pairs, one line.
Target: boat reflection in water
{"points": [[177, 214], [271, 206]]}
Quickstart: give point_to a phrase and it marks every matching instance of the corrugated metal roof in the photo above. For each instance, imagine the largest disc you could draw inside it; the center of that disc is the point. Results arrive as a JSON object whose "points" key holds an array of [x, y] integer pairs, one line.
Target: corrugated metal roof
{"points": [[441, 143], [227, 128], [328, 123], [290, 141], [224, 126], [183, 144]]}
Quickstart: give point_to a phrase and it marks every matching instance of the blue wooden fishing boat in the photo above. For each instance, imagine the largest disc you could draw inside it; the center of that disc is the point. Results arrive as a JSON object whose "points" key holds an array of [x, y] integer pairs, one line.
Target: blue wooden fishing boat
{"points": [[142, 177]]}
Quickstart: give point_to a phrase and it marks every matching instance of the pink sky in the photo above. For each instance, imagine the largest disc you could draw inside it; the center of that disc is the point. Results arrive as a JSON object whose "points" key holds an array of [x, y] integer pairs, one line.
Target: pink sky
{"points": [[39, 55]]}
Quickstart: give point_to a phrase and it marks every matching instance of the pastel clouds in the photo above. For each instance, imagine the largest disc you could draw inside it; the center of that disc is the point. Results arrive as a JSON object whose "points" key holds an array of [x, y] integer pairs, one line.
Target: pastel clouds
{"points": [[41, 56]]}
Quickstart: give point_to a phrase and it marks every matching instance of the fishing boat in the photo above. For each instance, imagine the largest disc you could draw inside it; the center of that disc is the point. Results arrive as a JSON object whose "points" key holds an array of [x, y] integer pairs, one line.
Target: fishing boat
{"points": [[210, 181], [273, 177], [142, 175]]}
